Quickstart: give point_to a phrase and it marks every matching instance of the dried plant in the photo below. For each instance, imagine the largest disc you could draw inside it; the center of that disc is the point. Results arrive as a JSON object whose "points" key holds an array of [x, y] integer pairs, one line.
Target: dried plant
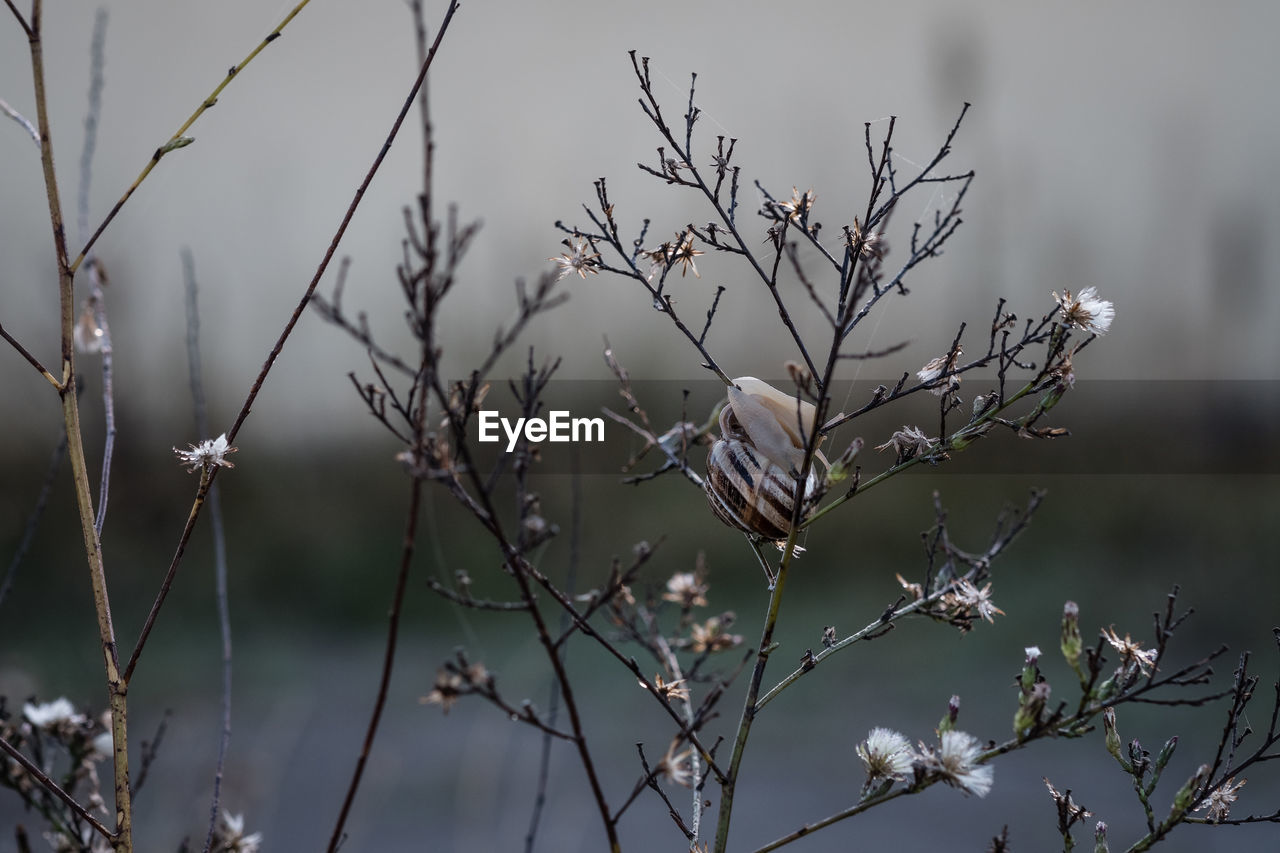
{"points": [[766, 474]]}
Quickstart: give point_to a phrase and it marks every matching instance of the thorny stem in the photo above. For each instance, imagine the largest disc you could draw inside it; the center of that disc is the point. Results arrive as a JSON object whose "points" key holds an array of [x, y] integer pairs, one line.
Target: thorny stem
{"points": [[175, 141], [122, 839]]}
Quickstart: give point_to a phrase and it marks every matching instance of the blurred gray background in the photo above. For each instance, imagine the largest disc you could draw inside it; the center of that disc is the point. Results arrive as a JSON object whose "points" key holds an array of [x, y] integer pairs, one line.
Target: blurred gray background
{"points": [[1128, 146]]}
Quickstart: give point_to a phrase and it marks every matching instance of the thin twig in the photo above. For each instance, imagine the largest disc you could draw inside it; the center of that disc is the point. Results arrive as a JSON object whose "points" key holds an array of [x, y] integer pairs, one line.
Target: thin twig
{"points": [[33, 519], [40, 776], [553, 703], [20, 118], [198, 404], [178, 140], [97, 299], [389, 657], [284, 336], [31, 359]]}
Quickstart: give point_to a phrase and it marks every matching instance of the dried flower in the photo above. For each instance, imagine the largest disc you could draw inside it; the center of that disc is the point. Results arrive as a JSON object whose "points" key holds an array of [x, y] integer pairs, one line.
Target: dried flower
{"points": [[207, 455], [956, 763], [967, 598], [710, 636], [1069, 811], [935, 368], [914, 589], [683, 589], [579, 259], [1220, 799], [800, 204], [668, 690], [1131, 652], [1085, 311], [886, 755], [677, 767], [445, 691], [229, 837], [865, 243], [907, 442], [684, 255]]}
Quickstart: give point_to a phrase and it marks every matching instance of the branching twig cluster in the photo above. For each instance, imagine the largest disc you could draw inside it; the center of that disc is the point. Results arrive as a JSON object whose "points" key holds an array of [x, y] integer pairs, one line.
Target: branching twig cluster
{"points": [[662, 634]]}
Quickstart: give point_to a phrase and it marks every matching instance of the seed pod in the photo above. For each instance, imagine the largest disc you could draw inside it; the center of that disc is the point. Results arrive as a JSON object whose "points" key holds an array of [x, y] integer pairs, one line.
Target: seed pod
{"points": [[751, 482]]}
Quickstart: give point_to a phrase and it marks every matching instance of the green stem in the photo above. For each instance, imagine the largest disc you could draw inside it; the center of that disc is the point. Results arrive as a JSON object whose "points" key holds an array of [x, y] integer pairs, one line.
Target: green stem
{"points": [[750, 707]]}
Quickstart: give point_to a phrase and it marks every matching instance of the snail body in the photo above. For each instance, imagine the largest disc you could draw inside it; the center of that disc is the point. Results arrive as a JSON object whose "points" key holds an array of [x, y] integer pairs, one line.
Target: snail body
{"points": [[751, 469]]}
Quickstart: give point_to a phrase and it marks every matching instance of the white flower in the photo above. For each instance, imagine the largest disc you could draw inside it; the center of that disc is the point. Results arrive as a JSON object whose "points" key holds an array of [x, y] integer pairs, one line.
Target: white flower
{"points": [[955, 762], [1086, 311], [52, 714], [886, 755], [229, 835], [207, 455]]}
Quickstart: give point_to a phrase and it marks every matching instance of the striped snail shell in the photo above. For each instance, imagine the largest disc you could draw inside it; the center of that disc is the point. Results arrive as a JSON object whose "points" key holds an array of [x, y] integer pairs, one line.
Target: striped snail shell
{"points": [[749, 481]]}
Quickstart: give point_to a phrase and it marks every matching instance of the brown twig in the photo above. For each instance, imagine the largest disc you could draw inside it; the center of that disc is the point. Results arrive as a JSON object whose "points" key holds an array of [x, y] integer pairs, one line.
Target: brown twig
{"points": [[178, 140], [388, 661], [40, 776], [284, 335]]}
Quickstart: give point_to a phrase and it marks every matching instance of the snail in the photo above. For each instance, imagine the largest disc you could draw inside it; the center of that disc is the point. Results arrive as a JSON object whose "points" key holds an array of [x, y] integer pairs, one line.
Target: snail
{"points": [[752, 468]]}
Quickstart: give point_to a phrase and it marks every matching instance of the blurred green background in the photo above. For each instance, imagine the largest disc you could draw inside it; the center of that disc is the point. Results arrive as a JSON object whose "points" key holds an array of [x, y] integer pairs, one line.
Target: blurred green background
{"points": [[1124, 147]]}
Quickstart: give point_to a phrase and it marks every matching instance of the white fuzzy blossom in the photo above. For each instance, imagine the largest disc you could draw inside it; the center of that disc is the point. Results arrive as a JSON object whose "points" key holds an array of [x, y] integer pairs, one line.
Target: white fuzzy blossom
{"points": [[955, 762], [1086, 311], [207, 455], [886, 755], [50, 715], [229, 837]]}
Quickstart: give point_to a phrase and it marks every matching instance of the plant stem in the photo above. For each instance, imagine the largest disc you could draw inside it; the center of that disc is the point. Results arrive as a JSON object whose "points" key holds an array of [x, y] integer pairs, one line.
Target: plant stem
{"points": [[750, 707], [170, 144], [117, 688]]}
